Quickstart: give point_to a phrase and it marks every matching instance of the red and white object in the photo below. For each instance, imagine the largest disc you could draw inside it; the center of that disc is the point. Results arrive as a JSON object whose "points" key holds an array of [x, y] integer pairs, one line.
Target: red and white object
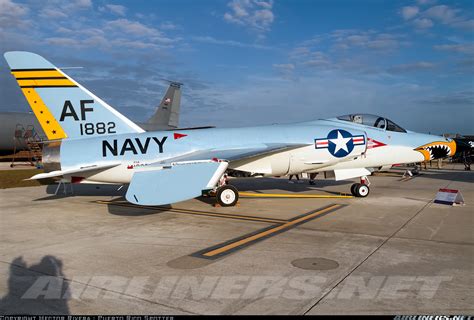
{"points": [[450, 197]]}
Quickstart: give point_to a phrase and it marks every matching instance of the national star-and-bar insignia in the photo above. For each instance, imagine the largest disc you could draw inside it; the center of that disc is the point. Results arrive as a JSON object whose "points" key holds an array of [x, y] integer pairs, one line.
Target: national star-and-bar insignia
{"points": [[339, 142]]}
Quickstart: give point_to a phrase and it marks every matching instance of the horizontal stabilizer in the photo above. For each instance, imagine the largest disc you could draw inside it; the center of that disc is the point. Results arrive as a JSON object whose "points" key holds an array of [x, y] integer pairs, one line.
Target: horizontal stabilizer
{"points": [[61, 173], [181, 181]]}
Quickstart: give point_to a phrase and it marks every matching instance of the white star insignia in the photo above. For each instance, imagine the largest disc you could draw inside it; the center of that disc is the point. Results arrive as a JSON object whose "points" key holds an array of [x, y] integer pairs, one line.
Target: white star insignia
{"points": [[340, 142]]}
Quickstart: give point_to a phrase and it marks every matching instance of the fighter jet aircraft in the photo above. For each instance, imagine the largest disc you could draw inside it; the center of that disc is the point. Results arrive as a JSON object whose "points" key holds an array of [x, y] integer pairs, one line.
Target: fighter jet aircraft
{"points": [[92, 142], [164, 167]]}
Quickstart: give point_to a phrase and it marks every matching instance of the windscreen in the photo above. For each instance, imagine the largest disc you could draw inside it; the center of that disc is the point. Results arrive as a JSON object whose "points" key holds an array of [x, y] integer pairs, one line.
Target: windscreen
{"points": [[372, 121]]}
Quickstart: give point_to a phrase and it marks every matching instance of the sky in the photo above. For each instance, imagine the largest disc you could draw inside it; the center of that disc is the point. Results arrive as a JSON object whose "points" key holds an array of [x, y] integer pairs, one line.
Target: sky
{"points": [[252, 62]]}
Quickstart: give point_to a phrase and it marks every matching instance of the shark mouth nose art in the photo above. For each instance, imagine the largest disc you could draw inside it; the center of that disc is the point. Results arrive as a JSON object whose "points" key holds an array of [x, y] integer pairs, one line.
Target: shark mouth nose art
{"points": [[437, 150]]}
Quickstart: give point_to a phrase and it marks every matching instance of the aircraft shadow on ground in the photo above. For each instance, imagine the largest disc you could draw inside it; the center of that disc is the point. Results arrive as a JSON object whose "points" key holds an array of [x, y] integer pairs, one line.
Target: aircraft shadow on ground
{"points": [[36, 289], [131, 210], [243, 184], [263, 184], [83, 190]]}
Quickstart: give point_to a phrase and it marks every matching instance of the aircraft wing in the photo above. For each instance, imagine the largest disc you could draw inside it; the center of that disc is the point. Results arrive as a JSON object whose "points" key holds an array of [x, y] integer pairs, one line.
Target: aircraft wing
{"points": [[60, 173], [185, 177], [178, 182]]}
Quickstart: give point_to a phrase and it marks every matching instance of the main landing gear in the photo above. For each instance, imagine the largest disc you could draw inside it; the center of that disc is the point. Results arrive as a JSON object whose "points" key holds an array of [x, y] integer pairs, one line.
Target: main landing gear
{"points": [[226, 194], [361, 190]]}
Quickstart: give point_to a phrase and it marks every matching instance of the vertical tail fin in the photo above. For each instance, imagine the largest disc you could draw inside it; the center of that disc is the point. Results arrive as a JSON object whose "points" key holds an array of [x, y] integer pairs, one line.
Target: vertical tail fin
{"points": [[167, 115], [63, 107]]}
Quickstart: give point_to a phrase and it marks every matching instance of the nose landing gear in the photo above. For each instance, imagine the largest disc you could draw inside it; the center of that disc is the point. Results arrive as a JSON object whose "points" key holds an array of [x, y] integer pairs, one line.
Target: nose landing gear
{"points": [[361, 190]]}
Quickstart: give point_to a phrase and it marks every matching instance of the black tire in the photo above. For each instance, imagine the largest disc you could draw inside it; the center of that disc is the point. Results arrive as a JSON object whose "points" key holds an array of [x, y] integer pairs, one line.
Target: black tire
{"points": [[362, 190], [227, 196], [353, 189]]}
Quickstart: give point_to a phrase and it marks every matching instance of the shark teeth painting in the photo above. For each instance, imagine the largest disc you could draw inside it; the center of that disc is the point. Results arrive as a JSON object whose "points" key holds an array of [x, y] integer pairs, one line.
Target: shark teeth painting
{"points": [[437, 150]]}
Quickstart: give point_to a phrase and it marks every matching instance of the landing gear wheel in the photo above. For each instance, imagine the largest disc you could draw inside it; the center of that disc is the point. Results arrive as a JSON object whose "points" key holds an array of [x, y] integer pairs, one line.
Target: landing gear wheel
{"points": [[353, 187], [362, 190], [227, 196]]}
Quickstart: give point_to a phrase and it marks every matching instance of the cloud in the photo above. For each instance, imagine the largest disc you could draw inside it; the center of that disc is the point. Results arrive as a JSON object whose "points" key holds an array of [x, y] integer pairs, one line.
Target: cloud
{"points": [[286, 66], [467, 48], [452, 17], [116, 9], [466, 66], [73, 5], [51, 13], [11, 12], [409, 12], [317, 59], [346, 39], [61, 41], [442, 13], [299, 52], [132, 27], [422, 23], [112, 34], [450, 99], [232, 43], [285, 69], [447, 15], [256, 15], [139, 30], [411, 67], [82, 3], [351, 51], [76, 24], [465, 24], [425, 2], [168, 26]]}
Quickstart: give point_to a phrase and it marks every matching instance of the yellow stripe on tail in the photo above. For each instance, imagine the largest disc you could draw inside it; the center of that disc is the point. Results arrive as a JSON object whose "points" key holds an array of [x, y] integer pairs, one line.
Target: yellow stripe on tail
{"points": [[42, 78], [50, 125]]}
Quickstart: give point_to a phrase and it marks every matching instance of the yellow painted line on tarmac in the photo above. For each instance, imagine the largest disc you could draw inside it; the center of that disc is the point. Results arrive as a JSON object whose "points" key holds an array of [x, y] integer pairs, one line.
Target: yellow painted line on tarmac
{"points": [[290, 195], [278, 226], [195, 212], [241, 242]]}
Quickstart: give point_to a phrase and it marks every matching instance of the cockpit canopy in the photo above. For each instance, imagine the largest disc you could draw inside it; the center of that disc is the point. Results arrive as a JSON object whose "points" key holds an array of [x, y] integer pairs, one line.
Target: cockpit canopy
{"points": [[372, 120]]}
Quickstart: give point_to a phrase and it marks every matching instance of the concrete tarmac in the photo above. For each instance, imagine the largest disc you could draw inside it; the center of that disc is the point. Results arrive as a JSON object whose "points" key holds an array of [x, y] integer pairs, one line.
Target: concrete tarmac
{"points": [[92, 253]]}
